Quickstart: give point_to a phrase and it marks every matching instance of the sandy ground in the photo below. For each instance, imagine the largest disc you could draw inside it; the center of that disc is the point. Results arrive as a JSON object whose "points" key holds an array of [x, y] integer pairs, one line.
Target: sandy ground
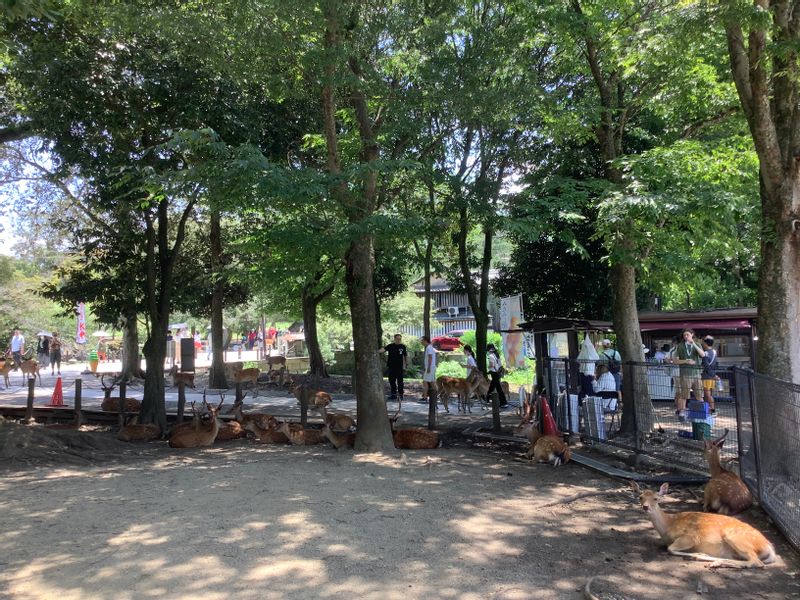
{"points": [[241, 521]]}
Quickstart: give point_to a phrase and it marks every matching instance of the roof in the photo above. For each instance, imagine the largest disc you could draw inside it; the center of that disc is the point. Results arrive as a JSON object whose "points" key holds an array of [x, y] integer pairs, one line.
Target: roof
{"points": [[439, 284], [557, 324]]}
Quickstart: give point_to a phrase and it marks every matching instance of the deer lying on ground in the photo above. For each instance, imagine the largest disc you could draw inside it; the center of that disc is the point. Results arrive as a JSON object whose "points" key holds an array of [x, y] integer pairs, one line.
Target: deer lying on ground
{"points": [[254, 422], [530, 430], [230, 430], [339, 441], [339, 422], [203, 434], [724, 540], [301, 437], [413, 438], [311, 397], [550, 448], [30, 367], [111, 404], [138, 432], [178, 377], [725, 493]]}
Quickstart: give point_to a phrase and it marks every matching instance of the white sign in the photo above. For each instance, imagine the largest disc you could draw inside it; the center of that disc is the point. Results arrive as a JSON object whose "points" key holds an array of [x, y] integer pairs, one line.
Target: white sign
{"points": [[513, 343], [80, 335]]}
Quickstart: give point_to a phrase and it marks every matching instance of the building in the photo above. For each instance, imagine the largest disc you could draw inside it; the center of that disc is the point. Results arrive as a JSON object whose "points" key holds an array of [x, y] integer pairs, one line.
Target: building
{"points": [[450, 308]]}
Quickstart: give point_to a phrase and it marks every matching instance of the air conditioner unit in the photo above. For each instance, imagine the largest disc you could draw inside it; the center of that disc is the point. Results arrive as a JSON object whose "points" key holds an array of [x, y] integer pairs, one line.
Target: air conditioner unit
{"points": [[452, 311]]}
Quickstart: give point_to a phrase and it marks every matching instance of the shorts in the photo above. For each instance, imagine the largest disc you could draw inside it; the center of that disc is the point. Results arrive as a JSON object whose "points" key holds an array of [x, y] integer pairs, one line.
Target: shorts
{"points": [[709, 384], [687, 382]]}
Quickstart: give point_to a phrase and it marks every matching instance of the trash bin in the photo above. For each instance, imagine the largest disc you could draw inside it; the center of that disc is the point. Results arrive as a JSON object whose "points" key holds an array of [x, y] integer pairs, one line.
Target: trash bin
{"points": [[187, 354]]}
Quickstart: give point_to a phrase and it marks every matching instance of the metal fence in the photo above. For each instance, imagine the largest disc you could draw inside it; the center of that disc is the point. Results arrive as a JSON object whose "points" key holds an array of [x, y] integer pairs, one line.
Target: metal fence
{"points": [[761, 415]]}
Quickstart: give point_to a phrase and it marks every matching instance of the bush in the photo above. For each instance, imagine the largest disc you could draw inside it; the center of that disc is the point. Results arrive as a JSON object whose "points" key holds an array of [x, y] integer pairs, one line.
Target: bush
{"points": [[468, 339]]}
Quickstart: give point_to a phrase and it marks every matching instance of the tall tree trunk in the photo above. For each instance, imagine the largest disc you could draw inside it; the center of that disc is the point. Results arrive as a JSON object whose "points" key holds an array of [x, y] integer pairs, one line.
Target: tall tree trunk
{"points": [[217, 378], [310, 302], [155, 352], [426, 302], [131, 361]]}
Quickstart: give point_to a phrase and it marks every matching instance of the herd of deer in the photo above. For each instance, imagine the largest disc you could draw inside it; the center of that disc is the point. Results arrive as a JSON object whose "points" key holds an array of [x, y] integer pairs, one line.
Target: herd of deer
{"points": [[465, 388], [29, 368], [719, 538]]}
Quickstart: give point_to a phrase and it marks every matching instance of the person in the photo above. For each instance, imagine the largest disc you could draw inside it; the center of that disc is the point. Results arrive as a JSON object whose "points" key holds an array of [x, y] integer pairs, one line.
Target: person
{"points": [[102, 349], [396, 363], [272, 333], [587, 359], [55, 353], [688, 356], [43, 350], [471, 364], [662, 353], [170, 348], [494, 372], [209, 347], [251, 339], [605, 386], [198, 343], [709, 373], [428, 369], [610, 356], [17, 347]]}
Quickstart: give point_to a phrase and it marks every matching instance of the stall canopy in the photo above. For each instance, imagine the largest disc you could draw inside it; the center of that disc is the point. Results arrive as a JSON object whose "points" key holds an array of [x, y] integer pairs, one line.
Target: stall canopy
{"points": [[710, 324], [559, 324]]}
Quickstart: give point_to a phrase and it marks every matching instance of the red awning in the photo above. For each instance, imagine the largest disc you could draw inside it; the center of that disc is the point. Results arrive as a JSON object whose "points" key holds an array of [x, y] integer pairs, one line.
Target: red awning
{"points": [[709, 324]]}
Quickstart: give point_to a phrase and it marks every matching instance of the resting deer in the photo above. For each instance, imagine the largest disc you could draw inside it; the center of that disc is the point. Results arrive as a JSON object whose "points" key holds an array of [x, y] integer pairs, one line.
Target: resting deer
{"points": [[138, 432], [530, 430], [30, 367], [311, 397], [301, 437], [203, 435], [725, 493], [178, 377], [111, 404], [413, 438], [230, 430], [254, 422], [550, 448], [339, 422], [724, 540], [339, 441]]}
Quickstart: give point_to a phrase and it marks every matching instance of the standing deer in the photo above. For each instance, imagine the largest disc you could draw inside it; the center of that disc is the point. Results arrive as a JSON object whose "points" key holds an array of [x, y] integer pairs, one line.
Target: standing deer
{"points": [[725, 493], [203, 435], [724, 540], [30, 367], [5, 369], [178, 376]]}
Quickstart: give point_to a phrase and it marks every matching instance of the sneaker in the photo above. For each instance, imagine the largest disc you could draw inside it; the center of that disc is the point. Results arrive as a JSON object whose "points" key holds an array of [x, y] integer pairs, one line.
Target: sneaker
{"points": [[682, 416]]}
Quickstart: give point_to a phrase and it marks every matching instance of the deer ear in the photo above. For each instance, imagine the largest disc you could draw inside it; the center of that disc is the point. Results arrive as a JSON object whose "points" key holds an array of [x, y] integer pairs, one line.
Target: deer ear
{"points": [[662, 491]]}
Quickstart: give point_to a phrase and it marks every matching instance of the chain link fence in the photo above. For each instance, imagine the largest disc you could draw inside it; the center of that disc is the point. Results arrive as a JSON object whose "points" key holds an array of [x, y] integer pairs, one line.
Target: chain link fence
{"points": [[675, 412]]}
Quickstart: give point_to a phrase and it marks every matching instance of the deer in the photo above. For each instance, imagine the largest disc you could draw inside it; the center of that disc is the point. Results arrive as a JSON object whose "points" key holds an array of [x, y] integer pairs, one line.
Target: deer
{"points": [[338, 422], [339, 441], [480, 385], [301, 437], [311, 397], [203, 435], [230, 430], [277, 359], [528, 429], [725, 493], [178, 377], [253, 422], [111, 404], [245, 375], [550, 448], [413, 438], [30, 366], [458, 385], [724, 541], [134, 431], [5, 369]]}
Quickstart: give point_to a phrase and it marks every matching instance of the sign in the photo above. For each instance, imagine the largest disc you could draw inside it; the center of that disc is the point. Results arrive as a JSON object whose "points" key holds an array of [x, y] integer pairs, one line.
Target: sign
{"points": [[80, 335], [513, 343]]}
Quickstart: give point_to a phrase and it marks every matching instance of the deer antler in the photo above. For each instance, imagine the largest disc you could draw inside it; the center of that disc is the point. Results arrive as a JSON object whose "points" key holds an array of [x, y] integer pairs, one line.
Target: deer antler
{"points": [[721, 439]]}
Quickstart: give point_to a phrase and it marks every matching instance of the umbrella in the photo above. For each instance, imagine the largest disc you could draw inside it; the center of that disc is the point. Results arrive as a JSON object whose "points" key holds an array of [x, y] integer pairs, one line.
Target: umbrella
{"points": [[101, 334], [44, 334]]}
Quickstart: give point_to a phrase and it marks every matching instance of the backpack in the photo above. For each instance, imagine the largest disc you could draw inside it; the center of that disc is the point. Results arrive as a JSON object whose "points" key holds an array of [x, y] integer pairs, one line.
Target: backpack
{"points": [[613, 363]]}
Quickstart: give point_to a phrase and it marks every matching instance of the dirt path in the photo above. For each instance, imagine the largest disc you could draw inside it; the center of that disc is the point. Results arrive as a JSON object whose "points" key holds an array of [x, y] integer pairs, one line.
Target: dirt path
{"points": [[276, 522]]}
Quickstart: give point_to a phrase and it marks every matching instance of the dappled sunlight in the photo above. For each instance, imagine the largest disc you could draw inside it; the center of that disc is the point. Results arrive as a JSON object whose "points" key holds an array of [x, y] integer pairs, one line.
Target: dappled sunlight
{"points": [[306, 572], [138, 534]]}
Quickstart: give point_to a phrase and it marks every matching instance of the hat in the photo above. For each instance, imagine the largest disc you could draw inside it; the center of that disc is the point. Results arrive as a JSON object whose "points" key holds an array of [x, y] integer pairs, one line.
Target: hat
{"points": [[606, 342]]}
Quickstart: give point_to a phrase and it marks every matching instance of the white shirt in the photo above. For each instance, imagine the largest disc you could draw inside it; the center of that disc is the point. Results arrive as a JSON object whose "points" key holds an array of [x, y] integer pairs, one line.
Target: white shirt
{"points": [[471, 364], [606, 383], [427, 375], [494, 363], [17, 342]]}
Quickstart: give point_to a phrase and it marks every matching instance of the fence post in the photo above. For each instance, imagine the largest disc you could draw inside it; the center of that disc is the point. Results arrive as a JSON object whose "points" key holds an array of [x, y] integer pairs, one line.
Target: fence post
{"points": [[756, 435], [78, 413], [29, 406], [122, 390]]}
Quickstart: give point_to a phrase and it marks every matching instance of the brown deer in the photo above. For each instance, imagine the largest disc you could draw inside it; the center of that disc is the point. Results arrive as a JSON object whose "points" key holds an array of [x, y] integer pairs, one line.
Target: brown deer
{"points": [[277, 359], [413, 438], [138, 432], [111, 404], [447, 386], [301, 437], [480, 385], [253, 421], [550, 448], [178, 377], [230, 430], [5, 368], [246, 375], [203, 435], [725, 493], [530, 430], [339, 422], [339, 441], [311, 397], [724, 540], [30, 367]]}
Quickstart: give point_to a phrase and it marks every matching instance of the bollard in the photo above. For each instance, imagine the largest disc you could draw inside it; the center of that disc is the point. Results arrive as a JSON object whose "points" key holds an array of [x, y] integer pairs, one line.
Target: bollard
{"points": [[29, 407], [181, 401], [78, 413], [122, 415], [431, 407]]}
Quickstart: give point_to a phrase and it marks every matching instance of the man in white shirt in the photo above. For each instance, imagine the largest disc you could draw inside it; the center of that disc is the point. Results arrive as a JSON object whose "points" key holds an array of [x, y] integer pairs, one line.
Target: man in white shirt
{"points": [[428, 368], [17, 347]]}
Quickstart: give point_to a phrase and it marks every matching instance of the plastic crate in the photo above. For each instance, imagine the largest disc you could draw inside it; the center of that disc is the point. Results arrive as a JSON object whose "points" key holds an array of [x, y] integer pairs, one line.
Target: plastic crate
{"points": [[698, 410]]}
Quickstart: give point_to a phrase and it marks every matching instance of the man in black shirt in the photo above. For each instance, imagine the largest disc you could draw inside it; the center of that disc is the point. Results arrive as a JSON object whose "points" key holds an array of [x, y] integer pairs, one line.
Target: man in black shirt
{"points": [[396, 362]]}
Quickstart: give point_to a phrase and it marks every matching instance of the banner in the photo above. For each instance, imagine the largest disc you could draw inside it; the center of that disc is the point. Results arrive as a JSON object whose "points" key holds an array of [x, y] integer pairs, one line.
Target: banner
{"points": [[513, 343], [80, 334]]}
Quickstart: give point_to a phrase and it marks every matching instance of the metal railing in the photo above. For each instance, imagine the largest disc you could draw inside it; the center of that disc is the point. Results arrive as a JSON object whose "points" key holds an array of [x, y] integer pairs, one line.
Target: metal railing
{"points": [[761, 415]]}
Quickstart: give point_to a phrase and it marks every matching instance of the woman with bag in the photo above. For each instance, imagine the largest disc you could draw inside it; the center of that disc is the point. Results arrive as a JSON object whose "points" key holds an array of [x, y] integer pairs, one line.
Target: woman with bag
{"points": [[495, 372]]}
